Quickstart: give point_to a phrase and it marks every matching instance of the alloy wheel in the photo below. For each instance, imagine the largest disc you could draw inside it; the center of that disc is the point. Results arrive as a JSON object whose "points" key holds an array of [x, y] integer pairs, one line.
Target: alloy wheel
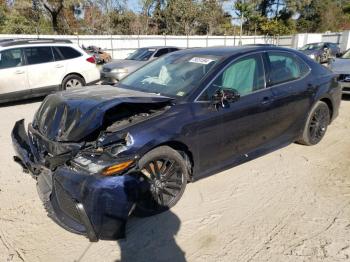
{"points": [[166, 181], [73, 83], [318, 124]]}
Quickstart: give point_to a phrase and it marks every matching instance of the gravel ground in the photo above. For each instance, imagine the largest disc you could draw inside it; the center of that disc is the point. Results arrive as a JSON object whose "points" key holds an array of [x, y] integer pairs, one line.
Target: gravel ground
{"points": [[290, 205]]}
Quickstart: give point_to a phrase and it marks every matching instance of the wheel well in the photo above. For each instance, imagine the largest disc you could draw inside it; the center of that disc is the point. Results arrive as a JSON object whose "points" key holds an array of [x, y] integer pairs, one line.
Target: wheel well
{"points": [[75, 74], [184, 151], [329, 104]]}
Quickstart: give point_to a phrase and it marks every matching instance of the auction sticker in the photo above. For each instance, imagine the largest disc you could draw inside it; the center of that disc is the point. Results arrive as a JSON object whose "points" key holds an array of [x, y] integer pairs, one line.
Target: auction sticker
{"points": [[201, 60]]}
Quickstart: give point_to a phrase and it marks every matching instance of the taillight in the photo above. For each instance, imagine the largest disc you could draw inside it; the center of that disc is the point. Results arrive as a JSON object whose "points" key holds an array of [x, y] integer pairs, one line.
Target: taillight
{"points": [[91, 60]]}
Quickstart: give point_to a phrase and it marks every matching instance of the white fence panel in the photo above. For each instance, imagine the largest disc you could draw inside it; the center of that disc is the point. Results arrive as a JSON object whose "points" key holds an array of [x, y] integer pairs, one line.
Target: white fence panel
{"points": [[122, 45], [332, 37]]}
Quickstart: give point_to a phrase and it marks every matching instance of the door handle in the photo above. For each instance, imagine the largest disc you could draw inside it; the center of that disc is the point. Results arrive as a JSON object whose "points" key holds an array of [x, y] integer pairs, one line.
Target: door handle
{"points": [[59, 66], [266, 100], [18, 72]]}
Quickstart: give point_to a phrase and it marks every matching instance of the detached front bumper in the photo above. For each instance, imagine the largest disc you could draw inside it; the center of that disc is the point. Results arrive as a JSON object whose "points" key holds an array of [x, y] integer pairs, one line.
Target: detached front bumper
{"points": [[91, 205]]}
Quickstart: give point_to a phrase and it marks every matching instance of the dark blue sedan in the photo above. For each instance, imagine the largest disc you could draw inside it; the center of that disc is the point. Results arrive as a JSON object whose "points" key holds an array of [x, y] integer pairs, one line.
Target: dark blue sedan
{"points": [[100, 154]]}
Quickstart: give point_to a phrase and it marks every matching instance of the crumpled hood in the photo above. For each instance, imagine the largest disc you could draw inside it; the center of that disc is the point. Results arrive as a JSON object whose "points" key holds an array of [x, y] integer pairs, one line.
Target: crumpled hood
{"points": [[71, 116], [340, 66]]}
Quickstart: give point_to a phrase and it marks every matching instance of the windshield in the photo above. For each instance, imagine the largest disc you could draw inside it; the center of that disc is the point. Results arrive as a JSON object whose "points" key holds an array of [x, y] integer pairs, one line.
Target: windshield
{"points": [[346, 55], [172, 75], [312, 46], [141, 54]]}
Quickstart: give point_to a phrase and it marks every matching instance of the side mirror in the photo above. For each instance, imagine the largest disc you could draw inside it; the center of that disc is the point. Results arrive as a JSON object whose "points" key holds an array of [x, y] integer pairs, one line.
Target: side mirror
{"points": [[224, 96]]}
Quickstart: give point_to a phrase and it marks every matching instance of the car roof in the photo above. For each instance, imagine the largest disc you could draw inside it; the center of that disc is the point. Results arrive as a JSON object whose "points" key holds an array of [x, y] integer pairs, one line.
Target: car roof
{"points": [[231, 51], [159, 47], [16, 42], [321, 43]]}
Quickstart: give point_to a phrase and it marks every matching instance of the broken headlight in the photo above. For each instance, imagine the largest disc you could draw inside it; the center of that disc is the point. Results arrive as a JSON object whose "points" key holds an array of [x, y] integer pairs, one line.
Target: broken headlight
{"points": [[104, 160], [100, 166]]}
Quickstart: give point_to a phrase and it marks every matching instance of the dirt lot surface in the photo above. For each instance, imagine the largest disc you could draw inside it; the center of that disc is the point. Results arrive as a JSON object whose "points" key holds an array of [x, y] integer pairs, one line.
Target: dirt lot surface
{"points": [[290, 205]]}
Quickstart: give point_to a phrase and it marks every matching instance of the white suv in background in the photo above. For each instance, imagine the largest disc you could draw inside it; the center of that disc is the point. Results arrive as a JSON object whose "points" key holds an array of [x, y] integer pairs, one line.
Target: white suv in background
{"points": [[30, 68]]}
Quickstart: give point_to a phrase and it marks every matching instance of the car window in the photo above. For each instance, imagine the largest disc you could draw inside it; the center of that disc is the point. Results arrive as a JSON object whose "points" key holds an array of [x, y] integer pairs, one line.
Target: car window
{"points": [[285, 67], [68, 52], [161, 52], [245, 75], [176, 74], [56, 54], [38, 55], [172, 49], [10, 58], [141, 54]]}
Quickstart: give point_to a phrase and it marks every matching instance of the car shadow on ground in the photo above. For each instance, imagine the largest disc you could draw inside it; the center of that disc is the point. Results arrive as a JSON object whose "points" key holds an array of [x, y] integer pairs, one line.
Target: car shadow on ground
{"points": [[151, 239]]}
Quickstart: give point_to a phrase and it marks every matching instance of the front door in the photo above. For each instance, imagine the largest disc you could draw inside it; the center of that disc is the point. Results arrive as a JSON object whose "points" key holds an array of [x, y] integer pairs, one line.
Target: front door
{"points": [[241, 126]]}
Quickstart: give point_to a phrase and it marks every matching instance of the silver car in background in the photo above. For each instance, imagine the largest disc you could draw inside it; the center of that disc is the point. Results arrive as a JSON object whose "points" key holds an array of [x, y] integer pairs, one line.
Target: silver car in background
{"points": [[114, 71], [341, 66]]}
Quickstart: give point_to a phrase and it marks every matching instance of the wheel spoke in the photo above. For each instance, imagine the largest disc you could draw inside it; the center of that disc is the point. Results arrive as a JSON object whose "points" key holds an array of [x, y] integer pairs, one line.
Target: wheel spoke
{"points": [[150, 171], [167, 192], [174, 180], [173, 186], [161, 199], [156, 168], [169, 171], [164, 166]]}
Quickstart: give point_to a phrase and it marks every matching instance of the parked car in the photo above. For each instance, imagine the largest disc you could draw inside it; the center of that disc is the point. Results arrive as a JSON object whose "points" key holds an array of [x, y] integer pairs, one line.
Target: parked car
{"points": [[100, 56], [37, 67], [118, 69], [321, 52], [341, 66], [101, 154]]}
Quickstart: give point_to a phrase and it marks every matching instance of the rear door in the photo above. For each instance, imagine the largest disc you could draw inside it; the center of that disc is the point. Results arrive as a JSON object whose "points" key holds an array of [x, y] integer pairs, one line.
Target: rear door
{"points": [[43, 70], [13, 72], [290, 81]]}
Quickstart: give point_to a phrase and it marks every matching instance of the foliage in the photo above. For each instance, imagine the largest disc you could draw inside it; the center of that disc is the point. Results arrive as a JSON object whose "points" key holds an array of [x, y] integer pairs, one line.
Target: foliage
{"points": [[173, 17]]}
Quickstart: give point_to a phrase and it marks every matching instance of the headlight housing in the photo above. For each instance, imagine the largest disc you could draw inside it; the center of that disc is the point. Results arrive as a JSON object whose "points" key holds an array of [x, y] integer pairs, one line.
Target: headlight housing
{"points": [[104, 160], [120, 70], [312, 56], [105, 167]]}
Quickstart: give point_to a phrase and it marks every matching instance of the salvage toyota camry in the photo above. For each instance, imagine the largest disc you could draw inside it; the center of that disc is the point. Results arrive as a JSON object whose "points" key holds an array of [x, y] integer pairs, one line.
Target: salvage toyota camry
{"points": [[102, 153]]}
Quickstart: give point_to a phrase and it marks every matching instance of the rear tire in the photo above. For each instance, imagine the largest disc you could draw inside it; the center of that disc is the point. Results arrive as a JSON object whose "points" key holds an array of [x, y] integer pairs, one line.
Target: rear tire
{"points": [[316, 124], [166, 173], [72, 81]]}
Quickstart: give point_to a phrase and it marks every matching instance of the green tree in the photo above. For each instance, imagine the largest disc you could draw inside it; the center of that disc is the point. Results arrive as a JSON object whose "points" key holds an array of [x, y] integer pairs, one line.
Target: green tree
{"points": [[181, 17], [321, 16]]}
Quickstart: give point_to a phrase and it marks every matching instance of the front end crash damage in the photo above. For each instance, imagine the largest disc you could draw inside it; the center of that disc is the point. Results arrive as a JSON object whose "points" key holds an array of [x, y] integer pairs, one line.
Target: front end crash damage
{"points": [[89, 183]]}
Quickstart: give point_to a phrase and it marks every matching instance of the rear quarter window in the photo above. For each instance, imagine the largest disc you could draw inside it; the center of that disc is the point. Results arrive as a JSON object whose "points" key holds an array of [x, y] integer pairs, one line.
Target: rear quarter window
{"points": [[69, 52], [285, 67]]}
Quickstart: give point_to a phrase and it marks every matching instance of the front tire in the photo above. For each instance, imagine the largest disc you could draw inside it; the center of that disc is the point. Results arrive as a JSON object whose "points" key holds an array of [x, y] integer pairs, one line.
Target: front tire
{"points": [[72, 81], [166, 173], [316, 124]]}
